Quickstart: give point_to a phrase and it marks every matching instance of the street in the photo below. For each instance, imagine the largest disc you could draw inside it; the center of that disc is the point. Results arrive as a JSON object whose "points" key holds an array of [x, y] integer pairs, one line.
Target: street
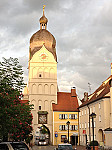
{"points": [[52, 147]]}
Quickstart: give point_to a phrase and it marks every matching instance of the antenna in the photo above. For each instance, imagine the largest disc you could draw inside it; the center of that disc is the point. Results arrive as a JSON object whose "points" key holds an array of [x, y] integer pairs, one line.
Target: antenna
{"points": [[89, 85]]}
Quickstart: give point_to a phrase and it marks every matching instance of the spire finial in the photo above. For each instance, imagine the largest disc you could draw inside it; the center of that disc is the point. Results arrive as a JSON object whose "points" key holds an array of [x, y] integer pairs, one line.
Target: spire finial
{"points": [[43, 9]]}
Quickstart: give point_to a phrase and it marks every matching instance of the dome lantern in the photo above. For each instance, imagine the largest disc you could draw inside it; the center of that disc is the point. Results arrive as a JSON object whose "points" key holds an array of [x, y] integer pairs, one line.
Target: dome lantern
{"points": [[43, 20]]}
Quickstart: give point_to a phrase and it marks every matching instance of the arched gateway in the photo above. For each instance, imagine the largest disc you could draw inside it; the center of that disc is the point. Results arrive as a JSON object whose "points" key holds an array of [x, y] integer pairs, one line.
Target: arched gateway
{"points": [[42, 84]]}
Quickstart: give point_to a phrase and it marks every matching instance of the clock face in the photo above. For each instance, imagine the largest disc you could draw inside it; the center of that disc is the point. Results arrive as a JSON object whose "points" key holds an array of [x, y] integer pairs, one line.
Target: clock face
{"points": [[42, 119], [43, 56]]}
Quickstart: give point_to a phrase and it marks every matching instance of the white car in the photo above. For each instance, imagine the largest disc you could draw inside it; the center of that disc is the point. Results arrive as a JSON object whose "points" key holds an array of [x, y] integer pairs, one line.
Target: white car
{"points": [[13, 146]]}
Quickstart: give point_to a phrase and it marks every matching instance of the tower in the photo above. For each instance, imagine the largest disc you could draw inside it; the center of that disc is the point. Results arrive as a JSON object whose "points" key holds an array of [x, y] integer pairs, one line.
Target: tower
{"points": [[42, 82]]}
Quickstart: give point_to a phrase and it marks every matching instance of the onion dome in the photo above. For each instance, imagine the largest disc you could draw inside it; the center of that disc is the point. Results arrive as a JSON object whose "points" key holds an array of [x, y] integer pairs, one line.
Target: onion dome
{"points": [[43, 36]]}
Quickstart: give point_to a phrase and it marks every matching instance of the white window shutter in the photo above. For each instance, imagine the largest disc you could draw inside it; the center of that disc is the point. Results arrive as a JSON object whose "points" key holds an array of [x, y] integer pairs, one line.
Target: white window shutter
{"points": [[59, 116], [75, 116], [70, 127], [66, 127], [66, 116], [60, 127], [69, 116], [76, 127]]}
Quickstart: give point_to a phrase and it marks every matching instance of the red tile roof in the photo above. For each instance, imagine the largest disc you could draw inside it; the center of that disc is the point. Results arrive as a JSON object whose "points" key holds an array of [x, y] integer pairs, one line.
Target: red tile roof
{"points": [[65, 102], [97, 95]]}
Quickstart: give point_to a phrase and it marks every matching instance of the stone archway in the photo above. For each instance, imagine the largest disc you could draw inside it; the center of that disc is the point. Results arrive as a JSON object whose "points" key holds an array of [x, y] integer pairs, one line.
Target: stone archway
{"points": [[48, 132]]}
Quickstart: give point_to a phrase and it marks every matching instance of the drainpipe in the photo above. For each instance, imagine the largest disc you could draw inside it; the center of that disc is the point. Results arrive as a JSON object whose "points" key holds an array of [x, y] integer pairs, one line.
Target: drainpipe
{"points": [[89, 125]]}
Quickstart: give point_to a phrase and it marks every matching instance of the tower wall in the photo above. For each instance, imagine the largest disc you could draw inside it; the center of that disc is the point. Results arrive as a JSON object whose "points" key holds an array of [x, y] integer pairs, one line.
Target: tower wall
{"points": [[42, 86]]}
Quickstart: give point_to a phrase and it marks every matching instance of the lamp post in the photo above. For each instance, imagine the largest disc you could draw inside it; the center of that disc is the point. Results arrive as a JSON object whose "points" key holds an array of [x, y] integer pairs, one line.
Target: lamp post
{"points": [[68, 123], [92, 116]]}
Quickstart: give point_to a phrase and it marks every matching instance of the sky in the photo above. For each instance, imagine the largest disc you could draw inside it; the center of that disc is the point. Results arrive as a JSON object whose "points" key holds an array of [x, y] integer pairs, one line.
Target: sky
{"points": [[83, 33]]}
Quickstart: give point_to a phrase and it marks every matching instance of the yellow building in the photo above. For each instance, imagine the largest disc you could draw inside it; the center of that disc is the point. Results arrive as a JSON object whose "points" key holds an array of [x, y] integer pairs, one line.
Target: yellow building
{"points": [[65, 110]]}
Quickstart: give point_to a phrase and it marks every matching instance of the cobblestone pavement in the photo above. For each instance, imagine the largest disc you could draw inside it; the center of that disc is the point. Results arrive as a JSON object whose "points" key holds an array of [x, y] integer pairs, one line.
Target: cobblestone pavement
{"points": [[52, 147]]}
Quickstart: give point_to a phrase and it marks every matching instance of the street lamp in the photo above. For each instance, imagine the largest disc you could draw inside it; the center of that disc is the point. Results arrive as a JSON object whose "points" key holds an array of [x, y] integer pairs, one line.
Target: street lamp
{"points": [[92, 116], [68, 123]]}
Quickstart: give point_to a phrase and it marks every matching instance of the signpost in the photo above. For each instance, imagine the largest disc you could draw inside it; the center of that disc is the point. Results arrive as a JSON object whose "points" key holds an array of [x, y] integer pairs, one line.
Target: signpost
{"points": [[56, 135]]}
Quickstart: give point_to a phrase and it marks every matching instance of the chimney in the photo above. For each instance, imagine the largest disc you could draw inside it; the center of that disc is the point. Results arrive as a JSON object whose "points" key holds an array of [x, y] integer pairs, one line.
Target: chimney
{"points": [[73, 92], [85, 96]]}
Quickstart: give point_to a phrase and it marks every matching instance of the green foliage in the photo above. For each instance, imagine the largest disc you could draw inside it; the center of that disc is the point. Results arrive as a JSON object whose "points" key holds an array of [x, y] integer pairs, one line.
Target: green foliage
{"points": [[15, 117], [95, 143], [11, 74]]}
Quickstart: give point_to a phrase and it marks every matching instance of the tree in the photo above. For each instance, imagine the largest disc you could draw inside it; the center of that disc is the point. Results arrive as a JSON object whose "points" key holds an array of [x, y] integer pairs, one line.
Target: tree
{"points": [[15, 117]]}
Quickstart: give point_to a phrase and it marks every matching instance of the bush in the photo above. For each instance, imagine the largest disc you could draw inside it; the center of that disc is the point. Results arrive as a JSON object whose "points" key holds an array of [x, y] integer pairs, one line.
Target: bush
{"points": [[95, 143]]}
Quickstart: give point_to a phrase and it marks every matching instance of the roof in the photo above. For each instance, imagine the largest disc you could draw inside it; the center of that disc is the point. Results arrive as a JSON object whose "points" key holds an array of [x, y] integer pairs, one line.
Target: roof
{"points": [[65, 102], [108, 129], [101, 92]]}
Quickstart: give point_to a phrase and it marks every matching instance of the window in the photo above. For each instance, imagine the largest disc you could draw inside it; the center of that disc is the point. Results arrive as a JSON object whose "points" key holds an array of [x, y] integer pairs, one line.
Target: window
{"points": [[94, 124], [85, 125], [82, 112], [91, 124], [4, 147], [72, 116], [93, 108], [88, 124], [100, 118], [63, 116], [72, 127], [85, 111], [63, 127], [76, 127], [99, 105], [39, 107], [90, 110], [80, 125], [40, 75], [63, 137]]}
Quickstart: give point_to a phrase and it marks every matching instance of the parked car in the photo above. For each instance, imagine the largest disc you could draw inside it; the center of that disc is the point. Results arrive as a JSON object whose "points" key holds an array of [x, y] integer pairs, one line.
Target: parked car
{"points": [[13, 146], [64, 146]]}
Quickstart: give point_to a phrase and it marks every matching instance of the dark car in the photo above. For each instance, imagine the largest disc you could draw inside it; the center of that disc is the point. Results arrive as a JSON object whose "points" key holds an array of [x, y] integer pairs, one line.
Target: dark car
{"points": [[13, 146]]}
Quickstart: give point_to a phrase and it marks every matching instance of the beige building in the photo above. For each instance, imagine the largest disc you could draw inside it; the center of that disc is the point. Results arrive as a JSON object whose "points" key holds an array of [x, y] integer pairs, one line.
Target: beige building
{"points": [[100, 103]]}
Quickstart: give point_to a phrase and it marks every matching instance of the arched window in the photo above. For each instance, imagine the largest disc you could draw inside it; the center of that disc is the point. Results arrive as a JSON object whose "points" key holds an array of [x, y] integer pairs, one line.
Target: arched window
{"points": [[34, 89], [34, 72], [40, 88], [52, 89], [46, 89]]}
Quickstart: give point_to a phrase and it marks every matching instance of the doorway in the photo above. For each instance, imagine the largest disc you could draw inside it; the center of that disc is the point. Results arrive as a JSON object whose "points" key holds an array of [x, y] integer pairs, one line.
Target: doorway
{"points": [[74, 140]]}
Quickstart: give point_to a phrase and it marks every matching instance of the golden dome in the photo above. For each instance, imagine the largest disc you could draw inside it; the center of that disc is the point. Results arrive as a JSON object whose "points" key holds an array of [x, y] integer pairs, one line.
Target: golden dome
{"points": [[41, 37], [43, 20]]}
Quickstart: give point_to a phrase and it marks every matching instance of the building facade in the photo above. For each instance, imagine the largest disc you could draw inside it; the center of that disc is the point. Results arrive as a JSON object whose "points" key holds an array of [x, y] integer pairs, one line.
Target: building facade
{"points": [[42, 82], [100, 103], [66, 110], [42, 90]]}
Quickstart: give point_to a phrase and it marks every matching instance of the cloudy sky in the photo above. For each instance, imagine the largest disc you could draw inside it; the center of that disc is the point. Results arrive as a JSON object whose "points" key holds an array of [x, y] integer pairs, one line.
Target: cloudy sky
{"points": [[83, 32]]}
